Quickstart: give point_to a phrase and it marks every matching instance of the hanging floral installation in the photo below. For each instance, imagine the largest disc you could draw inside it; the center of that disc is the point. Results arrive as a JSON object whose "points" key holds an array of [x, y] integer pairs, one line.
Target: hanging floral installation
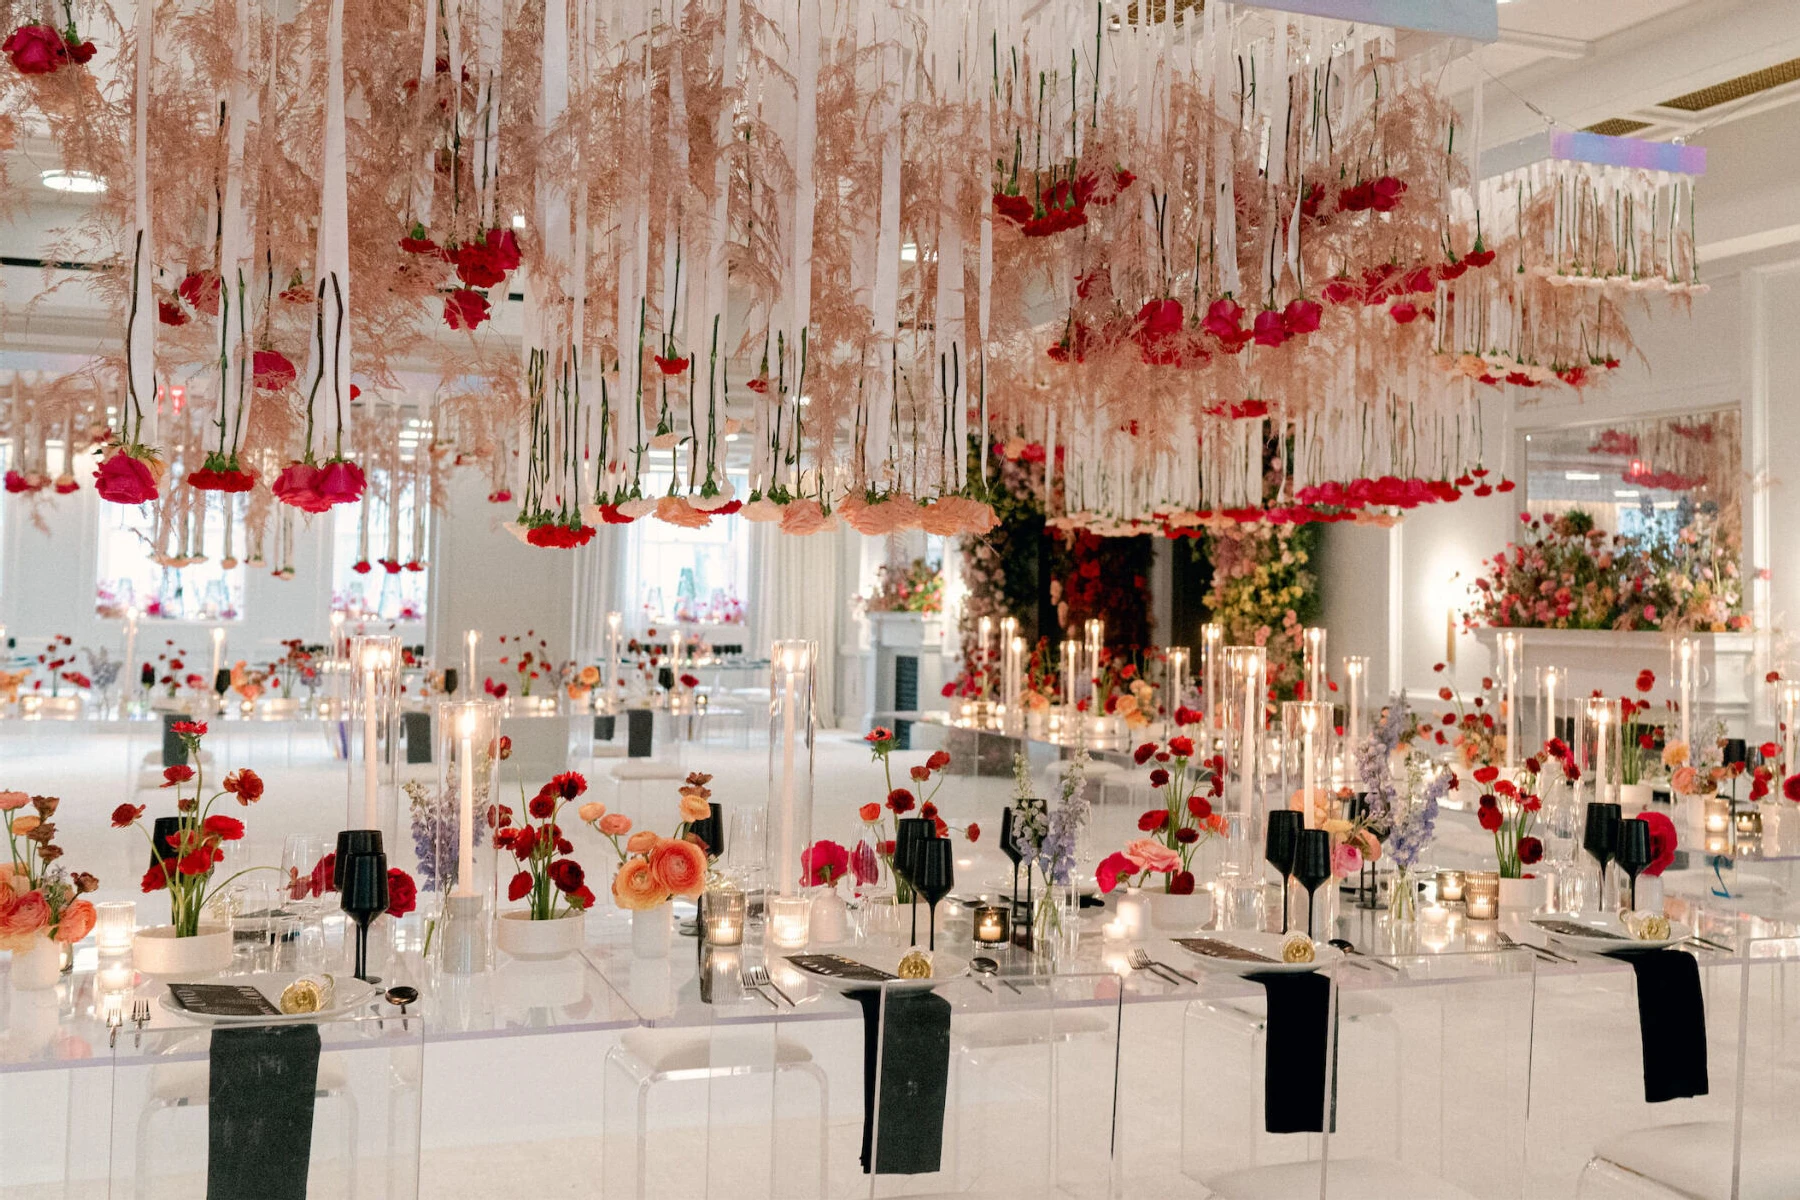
{"points": [[604, 240]]}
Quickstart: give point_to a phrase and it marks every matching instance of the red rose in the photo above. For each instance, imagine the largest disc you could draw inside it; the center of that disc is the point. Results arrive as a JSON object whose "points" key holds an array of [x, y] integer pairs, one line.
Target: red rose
{"points": [[35, 49], [124, 479], [228, 829], [567, 875], [519, 887], [465, 308], [1153, 820], [900, 801], [341, 482], [1530, 851], [403, 893], [125, 814], [1489, 816], [1769, 750]]}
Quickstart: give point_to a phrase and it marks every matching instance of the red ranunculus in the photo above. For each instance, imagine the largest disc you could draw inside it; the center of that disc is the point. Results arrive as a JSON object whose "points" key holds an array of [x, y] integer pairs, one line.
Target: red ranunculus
{"points": [[1790, 787], [1181, 883], [1181, 746], [228, 829], [1489, 816], [156, 878], [465, 308], [567, 875], [1153, 820], [1646, 680], [1106, 875], [519, 887], [541, 806], [124, 479], [1142, 754], [939, 760], [1159, 778], [1487, 774], [900, 801], [403, 893], [1662, 842], [823, 863], [1531, 851], [35, 49], [1200, 806], [177, 774], [125, 814]]}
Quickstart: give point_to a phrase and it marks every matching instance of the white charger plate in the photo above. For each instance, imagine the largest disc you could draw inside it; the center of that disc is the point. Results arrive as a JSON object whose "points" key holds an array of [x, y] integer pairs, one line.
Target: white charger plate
{"points": [[350, 993], [1269, 946], [1603, 925], [945, 966]]}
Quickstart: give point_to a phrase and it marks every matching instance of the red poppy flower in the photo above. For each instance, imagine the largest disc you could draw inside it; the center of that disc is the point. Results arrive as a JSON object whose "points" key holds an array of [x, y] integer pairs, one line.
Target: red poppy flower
{"points": [[176, 775]]}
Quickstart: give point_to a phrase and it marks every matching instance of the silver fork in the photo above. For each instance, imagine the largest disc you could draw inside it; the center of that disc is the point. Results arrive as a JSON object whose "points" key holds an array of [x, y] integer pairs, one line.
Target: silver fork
{"points": [[748, 978], [140, 1016], [759, 975], [114, 1020], [1143, 962], [1544, 952]]}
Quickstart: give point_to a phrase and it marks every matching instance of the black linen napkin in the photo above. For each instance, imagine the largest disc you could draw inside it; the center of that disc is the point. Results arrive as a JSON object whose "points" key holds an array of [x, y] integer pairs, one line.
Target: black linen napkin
{"points": [[1671, 1022], [1295, 1042], [640, 730], [418, 736], [912, 1048], [260, 1111]]}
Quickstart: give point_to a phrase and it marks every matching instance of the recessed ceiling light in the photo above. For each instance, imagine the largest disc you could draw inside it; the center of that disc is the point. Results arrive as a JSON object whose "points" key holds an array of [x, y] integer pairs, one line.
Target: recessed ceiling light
{"points": [[72, 181]]}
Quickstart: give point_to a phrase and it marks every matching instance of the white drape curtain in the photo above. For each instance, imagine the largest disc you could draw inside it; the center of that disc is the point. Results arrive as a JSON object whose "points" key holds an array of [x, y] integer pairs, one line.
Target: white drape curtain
{"points": [[599, 589], [797, 591]]}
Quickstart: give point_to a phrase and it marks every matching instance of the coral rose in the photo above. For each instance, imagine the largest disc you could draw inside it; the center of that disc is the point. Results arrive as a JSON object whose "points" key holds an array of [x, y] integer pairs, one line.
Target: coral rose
{"points": [[681, 866], [637, 886]]}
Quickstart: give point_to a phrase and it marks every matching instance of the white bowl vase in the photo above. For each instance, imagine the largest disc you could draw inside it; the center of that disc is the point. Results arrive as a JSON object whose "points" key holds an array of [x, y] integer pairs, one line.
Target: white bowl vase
{"points": [[157, 951], [38, 966], [521, 937], [1172, 913], [652, 930], [1523, 895], [1635, 797], [1649, 894]]}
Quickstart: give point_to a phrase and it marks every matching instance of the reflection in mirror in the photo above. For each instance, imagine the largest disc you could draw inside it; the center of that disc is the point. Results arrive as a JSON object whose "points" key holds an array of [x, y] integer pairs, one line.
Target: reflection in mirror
{"points": [[1647, 479]]}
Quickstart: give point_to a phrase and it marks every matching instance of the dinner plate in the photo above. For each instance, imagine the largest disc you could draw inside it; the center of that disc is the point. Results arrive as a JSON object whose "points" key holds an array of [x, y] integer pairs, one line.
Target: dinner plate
{"points": [[1268, 945], [945, 966], [349, 994], [1608, 932]]}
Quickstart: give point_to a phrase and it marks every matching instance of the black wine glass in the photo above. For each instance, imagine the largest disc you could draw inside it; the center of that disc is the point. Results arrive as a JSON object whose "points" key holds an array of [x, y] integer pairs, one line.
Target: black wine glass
{"points": [[1009, 846], [1280, 842], [1633, 852], [363, 895], [451, 679], [710, 830], [910, 832], [351, 842], [1312, 866], [1600, 838], [934, 871]]}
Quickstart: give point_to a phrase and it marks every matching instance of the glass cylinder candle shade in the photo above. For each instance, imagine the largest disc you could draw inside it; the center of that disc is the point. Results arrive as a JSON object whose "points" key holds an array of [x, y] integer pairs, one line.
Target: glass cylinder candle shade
{"points": [[1510, 645], [1451, 886], [1600, 743], [790, 761], [472, 661], [1481, 895], [467, 733], [1306, 749], [1684, 667], [1093, 640], [1246, 683], [1012, 674], [1787, 711], [1715, 816], [723, 911], [1312, 640], [615, 653], [373, 722], [1212, 674], [115, 924], [1072, 666], [1356, 700], [790, 918], [1552, 697], [1175, 680], [992, 925]]}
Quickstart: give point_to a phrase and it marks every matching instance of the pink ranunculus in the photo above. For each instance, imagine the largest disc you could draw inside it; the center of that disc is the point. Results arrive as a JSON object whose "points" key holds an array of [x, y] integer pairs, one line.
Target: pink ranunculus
{"points": [[124, 479], [1346, 860], [1151, 855], [341, 482]]}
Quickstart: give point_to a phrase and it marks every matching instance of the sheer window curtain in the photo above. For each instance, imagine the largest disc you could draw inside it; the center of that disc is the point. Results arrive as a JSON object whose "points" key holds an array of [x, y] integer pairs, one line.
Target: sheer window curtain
{"points": [[599, 589], [797, 591]]}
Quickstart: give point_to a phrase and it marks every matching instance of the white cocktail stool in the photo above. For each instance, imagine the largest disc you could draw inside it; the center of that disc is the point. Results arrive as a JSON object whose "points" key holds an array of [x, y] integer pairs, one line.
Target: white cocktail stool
{"points": [[648, 1057], [1692, 1161], [1348, 1179]]}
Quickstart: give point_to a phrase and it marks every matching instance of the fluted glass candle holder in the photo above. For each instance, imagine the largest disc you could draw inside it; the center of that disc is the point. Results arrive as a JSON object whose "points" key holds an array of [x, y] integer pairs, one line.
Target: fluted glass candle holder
{"points": [[790, 761], [790, 919], [723, 911], [374, 720], [1306, 750], [115, 923]]}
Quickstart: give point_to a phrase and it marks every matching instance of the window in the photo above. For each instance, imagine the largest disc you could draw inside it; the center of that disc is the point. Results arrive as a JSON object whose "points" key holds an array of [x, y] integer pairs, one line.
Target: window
{"points": [[687, 574], [385, 574], [129, 577]]}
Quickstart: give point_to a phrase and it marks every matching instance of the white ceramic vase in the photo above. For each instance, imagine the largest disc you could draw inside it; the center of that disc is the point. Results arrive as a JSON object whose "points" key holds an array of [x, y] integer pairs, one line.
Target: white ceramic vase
{"points": [[1523, 895], [1171, 913], [158, 951], [1649, 895], [652, 929], [1635, 797], [829, 921], [38, 966], [521, 937]]}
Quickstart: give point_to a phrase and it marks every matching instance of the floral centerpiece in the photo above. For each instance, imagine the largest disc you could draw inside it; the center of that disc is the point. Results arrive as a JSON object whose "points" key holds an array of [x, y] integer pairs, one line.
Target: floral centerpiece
{"points": [[549, 880], [899, 802], [1405, 815], [653, 869], [1183, 823], [1508, 809], [41, 905], [182, 862]]}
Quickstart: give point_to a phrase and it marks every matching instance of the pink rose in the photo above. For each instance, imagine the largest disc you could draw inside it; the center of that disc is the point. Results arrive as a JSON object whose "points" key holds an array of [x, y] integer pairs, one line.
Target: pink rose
{"points": [[1152, 855], [123, 479], [341, 482], [298, 485]]}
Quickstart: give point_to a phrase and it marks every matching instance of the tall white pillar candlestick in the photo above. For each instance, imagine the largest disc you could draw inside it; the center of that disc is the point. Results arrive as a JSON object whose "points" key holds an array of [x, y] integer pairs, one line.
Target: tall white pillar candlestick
{"points": [[128, 671], [1308, 778], [788, 872], [465, 826], [1353, 679], [1252, 735], [1686, 650], [218, 654], [1509, 676], [1212, 645], [371, 748], [1602, 714]]}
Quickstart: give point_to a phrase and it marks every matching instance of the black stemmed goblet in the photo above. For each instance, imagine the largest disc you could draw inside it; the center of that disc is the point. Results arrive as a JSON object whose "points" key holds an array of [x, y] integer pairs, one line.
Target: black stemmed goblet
{"points": [[909, 833], [364, 896], [351, 842], [934, 872], [1600, 838], [1009, 846], [1312, 866], [1633, 852], [1280, 842]]}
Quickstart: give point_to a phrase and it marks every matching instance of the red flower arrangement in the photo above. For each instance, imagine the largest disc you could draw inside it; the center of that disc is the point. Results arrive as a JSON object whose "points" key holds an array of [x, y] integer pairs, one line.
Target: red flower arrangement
{"points": [[552, 883], [1174, 831]]}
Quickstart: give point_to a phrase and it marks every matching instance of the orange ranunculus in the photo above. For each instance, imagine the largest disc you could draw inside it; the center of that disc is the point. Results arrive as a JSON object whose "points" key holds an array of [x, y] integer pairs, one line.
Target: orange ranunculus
{"points": [[29, 917], [681, 866], [615, 824], [642, 842], [694, 807], [637, 885], [589, 676], [77, 922], [590, 812], [870, 812], [25, 824]]}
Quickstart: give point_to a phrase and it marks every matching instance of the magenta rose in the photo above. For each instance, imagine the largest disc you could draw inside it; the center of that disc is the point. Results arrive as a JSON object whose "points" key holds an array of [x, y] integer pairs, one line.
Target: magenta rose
{"points": [[341, 482], [124, 479], [35, 49]]}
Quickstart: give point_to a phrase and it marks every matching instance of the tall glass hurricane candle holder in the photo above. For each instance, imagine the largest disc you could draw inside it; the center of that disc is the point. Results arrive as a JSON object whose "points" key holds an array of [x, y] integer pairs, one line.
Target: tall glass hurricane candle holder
{"points": [[790, 761], [1246, 683], [1684, 656], [1552, 693], [1306, 750], [1787, 710], [1093, 642], [1013, 677], [472, 661], [374, 719], [1072, 667], [1313, 643], [615, 652], [451, 827], [1600, 742], [1356, 700], [1175, 681], [1510, 645], [1212, 676]]}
